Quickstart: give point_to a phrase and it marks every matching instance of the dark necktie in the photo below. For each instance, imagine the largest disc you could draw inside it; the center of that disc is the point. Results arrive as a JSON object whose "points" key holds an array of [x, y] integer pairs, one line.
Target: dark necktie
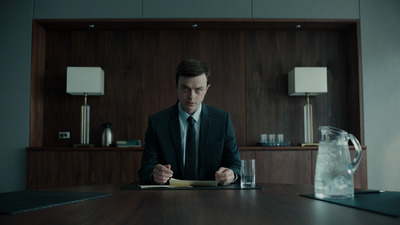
{"points": [[191, 156]]}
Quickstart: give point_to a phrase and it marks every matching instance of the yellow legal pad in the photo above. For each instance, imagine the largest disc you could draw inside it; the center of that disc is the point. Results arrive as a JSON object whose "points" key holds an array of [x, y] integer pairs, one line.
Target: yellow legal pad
{"points": [[175, 183]]}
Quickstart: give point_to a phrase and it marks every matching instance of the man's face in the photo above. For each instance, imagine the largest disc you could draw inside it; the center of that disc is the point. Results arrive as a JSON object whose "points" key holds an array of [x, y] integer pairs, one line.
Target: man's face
{"points": [[191, 92]]}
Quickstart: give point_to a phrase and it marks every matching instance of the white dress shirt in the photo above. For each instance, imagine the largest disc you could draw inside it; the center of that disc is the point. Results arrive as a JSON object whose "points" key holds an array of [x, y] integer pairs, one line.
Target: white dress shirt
{"points": [[184, 126]]}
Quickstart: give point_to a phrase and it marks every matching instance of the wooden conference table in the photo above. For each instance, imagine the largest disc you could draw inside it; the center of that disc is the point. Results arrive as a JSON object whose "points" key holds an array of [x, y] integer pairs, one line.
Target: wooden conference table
{"points": [[274, 204]]}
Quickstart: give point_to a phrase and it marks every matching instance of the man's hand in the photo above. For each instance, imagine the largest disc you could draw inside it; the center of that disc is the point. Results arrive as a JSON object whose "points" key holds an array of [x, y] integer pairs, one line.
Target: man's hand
{"points": [[224, 176], [161, 173]]}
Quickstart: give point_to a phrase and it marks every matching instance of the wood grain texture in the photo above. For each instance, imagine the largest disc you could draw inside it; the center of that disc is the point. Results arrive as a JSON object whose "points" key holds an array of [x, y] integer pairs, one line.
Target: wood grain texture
{"points": [[65, 167], [271, 56], [129, 165], [249, 62], [281, 166], [225, 53], [356, 119], [37, 85], [119, 53], [275, 204], [249, 78], [164, 50]]}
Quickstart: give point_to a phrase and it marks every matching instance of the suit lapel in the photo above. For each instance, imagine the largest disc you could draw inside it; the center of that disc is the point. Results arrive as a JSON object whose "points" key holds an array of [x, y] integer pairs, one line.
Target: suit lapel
{"points": [[175, 132], [204, 132]]}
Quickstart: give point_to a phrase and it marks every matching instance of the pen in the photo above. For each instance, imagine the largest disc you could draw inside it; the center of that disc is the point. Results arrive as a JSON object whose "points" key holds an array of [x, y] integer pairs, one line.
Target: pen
{"points": [[369, 191]]}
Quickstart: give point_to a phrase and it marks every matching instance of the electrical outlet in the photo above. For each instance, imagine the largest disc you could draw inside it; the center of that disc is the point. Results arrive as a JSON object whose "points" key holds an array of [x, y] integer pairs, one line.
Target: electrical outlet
{"points": [[63, 135]]}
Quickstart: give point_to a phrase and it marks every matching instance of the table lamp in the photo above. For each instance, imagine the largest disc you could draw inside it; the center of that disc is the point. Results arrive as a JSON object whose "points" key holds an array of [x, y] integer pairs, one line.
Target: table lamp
{"points": [[308, 81], [85, 81]]}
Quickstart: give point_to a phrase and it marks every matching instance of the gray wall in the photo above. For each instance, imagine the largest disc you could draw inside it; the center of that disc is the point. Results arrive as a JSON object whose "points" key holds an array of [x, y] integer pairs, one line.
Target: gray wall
{"points": [[15, 59], [380, 24], [380, 39], [309, 9]]}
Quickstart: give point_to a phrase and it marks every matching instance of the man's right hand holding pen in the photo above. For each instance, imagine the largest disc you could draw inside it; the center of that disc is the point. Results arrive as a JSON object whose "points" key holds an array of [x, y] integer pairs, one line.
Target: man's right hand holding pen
{"points": [[162, 173]]}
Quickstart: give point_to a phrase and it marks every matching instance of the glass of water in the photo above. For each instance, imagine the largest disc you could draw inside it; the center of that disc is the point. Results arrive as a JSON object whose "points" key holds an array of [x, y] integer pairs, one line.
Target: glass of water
{"points": [[248, 173]]}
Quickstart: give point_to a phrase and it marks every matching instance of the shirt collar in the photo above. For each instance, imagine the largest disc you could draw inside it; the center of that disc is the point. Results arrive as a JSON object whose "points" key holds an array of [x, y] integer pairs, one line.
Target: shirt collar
{"points": [[184, 115]]}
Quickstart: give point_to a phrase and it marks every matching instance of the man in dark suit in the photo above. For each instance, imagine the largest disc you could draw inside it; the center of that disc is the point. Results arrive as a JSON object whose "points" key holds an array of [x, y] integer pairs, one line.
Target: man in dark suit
{"points": [[168, 149]]}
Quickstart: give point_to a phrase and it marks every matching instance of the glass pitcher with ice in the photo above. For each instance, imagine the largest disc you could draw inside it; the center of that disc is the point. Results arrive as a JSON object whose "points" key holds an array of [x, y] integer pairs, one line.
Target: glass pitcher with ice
{"points": [[334, 169]]}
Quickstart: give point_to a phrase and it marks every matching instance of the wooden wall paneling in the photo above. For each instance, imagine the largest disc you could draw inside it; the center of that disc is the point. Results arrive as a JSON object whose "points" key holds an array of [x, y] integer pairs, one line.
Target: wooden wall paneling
{"points": [[129, 58], [37, 85], [103, 167], [249, 65], [60, 167], [130, 161], [122, 105], [356, 116], [72, 168], [247, 154], [61, 112], [284, 166], [266, 90], [36, 170], [224, 53], [361, 174], [271, 55], [165, 49], [56, 169], [119, 53], [335, 112]]}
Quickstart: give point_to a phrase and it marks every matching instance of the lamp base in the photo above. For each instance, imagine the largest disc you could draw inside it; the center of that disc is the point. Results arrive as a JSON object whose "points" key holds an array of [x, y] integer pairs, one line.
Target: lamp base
{"points": [[83, 145], [309, 144]]}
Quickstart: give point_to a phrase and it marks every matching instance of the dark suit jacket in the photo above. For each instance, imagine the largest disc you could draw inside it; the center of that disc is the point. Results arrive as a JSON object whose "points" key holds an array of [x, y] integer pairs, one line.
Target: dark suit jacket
{"points": [[217, 145]]}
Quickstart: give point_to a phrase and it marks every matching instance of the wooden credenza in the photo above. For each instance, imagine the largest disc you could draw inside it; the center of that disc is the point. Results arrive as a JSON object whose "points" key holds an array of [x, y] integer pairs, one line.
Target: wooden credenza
{"points": [[49, 167]]}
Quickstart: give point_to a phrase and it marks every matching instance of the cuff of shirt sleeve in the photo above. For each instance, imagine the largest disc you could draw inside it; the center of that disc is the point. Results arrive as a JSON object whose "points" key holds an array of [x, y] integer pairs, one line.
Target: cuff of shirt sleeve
{"points": [[236, 178]]}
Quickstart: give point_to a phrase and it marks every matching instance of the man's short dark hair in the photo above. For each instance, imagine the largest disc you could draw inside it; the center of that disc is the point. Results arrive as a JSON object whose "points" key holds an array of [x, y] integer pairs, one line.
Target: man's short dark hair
{"points": [[191, 68]]}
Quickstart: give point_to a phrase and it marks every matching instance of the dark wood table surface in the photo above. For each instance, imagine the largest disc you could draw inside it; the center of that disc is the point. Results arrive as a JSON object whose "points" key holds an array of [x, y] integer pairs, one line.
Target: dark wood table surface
{"points": [[275, 204]]}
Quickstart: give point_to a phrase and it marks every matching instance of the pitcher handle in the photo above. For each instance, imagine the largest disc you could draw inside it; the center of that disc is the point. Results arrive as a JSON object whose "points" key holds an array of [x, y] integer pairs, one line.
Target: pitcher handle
{"points": [[356, 161]]}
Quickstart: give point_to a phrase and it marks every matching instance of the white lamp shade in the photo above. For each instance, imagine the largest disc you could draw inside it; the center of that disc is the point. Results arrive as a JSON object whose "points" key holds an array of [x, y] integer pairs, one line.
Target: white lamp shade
{"points": [[312, 80], [82, 80]]}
